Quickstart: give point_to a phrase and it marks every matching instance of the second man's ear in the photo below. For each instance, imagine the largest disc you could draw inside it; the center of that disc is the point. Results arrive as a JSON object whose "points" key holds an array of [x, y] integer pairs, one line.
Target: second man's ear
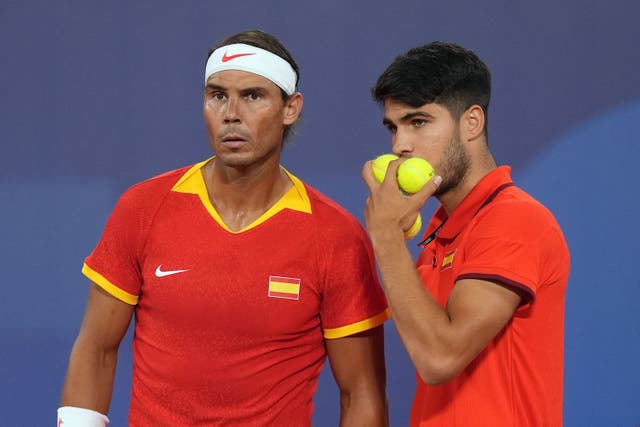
{"points": [[473, 122]]}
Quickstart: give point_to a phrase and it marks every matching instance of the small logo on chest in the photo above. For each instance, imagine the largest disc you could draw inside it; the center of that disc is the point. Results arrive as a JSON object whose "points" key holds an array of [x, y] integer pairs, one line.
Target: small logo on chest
{"points": [[284, 287], [447, 261], [163, 273]]}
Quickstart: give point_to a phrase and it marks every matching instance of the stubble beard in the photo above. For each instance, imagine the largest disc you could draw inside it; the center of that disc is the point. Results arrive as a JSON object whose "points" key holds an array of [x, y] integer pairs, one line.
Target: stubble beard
{"points": [[454, 166]]}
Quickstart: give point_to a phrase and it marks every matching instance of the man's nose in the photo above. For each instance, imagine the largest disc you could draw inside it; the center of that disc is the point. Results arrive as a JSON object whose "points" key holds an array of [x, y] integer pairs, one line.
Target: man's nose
{"points": [[400, 144], [231, 111]]}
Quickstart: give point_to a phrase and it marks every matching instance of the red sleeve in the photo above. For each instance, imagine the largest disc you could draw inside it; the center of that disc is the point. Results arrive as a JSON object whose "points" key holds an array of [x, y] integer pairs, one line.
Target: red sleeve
{"points": [[509, 244], [115, 262], [352, 300]]}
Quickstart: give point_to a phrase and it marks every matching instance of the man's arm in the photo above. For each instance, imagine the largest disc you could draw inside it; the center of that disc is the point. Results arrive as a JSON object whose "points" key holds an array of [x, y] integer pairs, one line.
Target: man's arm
{"points": [[441, 342], [89, 380], [358, 366]]}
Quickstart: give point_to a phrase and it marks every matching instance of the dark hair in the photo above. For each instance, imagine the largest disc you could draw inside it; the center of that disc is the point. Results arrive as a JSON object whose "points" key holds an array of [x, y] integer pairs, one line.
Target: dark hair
{"points": [[268, 42], [440, 72]]}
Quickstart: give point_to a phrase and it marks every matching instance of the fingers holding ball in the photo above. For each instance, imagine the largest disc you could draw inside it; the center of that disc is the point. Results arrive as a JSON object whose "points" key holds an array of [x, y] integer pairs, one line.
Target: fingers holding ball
{"points": [[412, 175]]}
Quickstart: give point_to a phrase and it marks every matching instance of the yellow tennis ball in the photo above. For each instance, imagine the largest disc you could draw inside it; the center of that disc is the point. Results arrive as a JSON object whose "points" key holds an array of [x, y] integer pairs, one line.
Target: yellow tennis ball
{"points": [[413, 174], [380, 165], [415, 228]]}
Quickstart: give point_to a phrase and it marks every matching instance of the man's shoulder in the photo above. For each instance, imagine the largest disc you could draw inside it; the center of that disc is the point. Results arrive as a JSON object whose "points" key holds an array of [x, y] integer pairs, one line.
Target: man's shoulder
{"points": [[158, 183], [153, 189], [516, 210], [520, 203], [326, 209], [163, 180], [325, 205]]}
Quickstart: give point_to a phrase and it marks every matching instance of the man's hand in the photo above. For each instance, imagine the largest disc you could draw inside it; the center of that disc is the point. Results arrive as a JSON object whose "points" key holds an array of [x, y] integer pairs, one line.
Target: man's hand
{"points": [[388, 210]]}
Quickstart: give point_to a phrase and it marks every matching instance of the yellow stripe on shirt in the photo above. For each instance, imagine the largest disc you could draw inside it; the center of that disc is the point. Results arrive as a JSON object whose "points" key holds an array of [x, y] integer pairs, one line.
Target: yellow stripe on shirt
{"points": [[354, 328], [105, 284]]}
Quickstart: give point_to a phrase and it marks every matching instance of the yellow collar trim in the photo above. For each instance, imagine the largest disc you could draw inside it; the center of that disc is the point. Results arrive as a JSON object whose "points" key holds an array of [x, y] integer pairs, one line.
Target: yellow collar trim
{"points": [[192, 182]]}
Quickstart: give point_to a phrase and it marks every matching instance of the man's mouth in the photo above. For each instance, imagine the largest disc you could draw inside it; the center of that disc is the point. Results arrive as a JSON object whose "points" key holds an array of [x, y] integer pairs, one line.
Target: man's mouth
{"points": [[233, 140]]}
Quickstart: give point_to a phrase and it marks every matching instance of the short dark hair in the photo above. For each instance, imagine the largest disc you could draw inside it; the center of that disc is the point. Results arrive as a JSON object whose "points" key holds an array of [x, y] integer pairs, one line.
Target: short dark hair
{"points": [[266, 41], [444, 73]]}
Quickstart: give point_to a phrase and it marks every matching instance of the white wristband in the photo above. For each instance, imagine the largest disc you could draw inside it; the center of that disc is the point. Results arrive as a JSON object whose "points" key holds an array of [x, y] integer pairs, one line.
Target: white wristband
{"points": [[70, 416]]}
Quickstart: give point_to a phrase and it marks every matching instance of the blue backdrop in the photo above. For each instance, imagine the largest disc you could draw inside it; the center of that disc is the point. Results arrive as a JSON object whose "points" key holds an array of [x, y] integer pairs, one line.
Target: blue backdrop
{"points": [[95, 96]]}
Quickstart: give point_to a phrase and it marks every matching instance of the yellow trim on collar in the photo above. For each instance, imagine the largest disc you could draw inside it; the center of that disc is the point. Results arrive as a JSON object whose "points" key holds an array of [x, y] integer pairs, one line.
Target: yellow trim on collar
{"points": [[192, 182], [105, 284]]}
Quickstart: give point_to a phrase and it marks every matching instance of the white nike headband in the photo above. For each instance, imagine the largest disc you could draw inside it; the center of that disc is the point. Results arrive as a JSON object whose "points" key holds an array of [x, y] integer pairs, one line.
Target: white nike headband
{"points": [[254, 60]]}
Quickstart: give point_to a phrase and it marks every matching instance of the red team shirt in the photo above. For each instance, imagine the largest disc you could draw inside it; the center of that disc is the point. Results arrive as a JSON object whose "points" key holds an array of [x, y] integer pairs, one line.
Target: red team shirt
{"points": [[501, 234], [230, 326]]}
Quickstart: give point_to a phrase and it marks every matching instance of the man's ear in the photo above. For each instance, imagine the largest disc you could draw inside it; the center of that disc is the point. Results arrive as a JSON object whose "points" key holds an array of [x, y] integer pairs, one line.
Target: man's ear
{"points": [[292, 109], [472, 122]]}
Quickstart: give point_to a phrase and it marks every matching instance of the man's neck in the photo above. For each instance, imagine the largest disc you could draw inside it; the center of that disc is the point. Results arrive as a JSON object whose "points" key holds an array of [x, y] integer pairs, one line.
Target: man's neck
{"points": [[452, 198], [240, 196]]}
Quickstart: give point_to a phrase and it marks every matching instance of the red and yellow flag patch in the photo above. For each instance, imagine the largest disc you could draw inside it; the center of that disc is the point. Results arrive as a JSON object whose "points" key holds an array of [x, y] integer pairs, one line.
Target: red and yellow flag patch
{"points": [[447, 261], [284, 287]]}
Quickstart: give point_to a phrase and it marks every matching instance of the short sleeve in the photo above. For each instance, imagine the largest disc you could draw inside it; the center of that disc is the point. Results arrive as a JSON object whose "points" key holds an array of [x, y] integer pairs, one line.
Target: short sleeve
{"points": [[507, 244], [352, 299], [114, 264]]}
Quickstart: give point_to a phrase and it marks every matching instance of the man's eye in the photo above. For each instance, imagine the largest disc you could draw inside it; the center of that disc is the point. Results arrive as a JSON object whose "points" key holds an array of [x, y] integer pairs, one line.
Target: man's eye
{"points": [[254, 95], [419, 123]]}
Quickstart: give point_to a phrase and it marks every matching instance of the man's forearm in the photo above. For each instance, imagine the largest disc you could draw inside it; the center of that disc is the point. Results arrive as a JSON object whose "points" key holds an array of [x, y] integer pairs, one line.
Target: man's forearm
{"points": [[422, 324], [89, 380], [370, 410]]}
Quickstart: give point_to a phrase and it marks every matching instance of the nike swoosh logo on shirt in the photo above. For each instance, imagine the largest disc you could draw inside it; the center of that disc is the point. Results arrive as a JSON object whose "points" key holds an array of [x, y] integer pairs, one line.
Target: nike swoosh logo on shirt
{"points": [[160, 273], [226, 58]]}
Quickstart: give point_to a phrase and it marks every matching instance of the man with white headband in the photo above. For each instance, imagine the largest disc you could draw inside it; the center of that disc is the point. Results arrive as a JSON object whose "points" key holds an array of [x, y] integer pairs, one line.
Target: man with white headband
{"points": [[242, 277]]}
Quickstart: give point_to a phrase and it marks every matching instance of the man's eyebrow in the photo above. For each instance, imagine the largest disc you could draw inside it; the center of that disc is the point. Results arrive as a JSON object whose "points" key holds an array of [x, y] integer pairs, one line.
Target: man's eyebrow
{"points": [[251, 89], [414, 114], [407, 117], [210, 86], [259, 89]]}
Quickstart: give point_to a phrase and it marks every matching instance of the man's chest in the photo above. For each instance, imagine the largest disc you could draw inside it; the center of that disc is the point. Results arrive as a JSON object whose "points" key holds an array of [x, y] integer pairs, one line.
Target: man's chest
{"points": [[264, 279]]}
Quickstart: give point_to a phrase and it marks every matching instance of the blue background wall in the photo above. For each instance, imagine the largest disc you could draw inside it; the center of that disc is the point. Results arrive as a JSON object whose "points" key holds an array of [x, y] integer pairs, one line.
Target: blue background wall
{"points": [[95, 96]]}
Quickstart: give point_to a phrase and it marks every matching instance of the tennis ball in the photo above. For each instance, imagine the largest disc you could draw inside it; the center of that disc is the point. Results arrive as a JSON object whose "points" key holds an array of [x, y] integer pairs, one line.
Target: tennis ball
{"points": [[415, 228], [380, 165], [417, 172], [413, 174]]}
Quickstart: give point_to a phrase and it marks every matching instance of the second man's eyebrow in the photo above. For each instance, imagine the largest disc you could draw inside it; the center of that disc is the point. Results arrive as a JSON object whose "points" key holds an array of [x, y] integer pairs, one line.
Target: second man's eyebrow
{"points": [[414, 114], [410, 115]]}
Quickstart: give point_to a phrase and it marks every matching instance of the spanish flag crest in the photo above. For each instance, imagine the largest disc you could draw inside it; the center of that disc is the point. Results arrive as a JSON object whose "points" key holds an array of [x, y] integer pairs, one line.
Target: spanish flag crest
{"points": [[447, 261], [284, 287]]}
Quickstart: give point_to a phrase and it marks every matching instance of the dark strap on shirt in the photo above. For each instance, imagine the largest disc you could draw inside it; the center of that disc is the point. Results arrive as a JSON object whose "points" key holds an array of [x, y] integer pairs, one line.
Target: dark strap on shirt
{"points": [[488, 200]]}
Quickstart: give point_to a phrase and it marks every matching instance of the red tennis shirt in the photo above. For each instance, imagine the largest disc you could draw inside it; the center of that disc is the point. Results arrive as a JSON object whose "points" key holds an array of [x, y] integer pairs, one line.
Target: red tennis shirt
{"points": [[230, 326], [501, 234]]}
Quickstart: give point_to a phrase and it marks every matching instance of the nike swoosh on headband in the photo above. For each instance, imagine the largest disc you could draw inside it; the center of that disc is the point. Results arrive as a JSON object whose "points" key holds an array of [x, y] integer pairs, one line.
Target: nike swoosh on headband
{"points": [[226, 58]]}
